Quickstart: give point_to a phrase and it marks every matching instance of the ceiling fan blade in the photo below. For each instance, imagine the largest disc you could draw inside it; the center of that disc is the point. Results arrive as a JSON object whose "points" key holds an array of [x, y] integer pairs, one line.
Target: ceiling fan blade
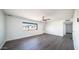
{"points": [[48, 19]]}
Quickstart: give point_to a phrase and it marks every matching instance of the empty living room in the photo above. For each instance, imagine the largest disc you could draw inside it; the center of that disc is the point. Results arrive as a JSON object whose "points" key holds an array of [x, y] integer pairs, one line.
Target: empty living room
{"points": [[39, 29]]}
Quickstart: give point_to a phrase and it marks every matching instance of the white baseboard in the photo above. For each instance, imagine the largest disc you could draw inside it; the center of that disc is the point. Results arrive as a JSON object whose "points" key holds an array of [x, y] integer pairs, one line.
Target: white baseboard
{"points": [[1, 45], [22, 37], [56, 35]]}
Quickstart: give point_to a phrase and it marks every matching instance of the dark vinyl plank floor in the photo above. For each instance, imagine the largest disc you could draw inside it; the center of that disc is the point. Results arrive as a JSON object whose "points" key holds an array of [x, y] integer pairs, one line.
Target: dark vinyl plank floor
{"points": [[41, 42]]}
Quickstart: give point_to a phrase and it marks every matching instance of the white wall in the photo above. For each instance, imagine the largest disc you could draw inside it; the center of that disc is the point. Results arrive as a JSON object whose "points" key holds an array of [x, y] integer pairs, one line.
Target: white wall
{"points": [[15, 28], [2, 28], [76, 29], [55, 27]]}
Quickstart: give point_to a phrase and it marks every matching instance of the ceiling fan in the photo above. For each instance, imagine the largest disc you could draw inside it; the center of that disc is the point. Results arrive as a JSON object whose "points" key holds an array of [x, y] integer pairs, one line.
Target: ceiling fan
{"points": [[44, 19]]}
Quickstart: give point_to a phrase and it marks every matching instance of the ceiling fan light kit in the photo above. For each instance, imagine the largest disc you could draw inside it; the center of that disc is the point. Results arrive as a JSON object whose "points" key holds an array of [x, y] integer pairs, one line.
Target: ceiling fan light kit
{"points": [[43, 18]]}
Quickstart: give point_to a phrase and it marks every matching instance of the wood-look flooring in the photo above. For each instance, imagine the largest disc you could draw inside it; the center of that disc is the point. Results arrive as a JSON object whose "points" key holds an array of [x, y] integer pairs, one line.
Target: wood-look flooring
{"points": [[41, 42]]}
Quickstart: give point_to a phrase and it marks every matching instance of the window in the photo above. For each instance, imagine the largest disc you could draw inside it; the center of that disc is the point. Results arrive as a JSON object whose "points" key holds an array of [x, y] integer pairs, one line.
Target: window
{"points": [[30, 26]]}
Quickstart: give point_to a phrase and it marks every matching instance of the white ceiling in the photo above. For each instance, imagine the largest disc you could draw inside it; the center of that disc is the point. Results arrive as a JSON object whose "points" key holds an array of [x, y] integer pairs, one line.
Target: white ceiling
{"points": [[36, 14]]}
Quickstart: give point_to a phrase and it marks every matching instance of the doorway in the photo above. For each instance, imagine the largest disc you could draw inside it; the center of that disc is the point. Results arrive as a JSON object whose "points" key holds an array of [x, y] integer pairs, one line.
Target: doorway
{"points": [[68, 29]]}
